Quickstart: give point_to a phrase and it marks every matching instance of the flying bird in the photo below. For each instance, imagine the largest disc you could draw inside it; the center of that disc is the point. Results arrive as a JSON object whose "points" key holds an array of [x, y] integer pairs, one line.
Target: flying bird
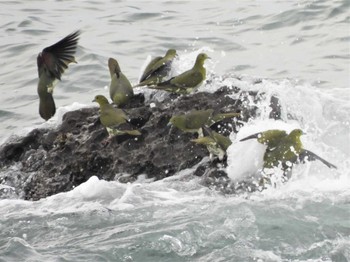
{"points": [[52, 61]]}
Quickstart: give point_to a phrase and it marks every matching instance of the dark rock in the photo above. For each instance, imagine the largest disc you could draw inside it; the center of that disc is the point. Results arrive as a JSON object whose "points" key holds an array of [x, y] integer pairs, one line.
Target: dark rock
{"points": [[54, 161]]}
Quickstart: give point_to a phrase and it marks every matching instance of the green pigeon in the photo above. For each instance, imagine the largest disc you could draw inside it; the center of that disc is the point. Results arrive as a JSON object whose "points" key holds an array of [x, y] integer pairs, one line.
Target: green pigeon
{"points": [[283, 148], [52, 61], [188, 81], [157, 69], [216, 143], [120, 89], [113, 119], [193, 121]]}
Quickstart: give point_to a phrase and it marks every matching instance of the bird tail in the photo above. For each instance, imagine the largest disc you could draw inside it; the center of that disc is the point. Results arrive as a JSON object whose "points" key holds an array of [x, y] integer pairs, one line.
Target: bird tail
{"points": [[165, 83], [151, 81], [132, 132], [222, 116], [250, 137], [180, 90], [118, 132], [47, 107], [308, 155], [222, 141], [204, 140], [207, 131], [137, 85], [113, 66]]}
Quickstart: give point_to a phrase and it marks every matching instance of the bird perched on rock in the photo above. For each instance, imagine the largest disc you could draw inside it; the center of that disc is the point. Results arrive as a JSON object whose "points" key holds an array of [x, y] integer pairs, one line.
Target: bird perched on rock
{"points": [[120, 89], [157, 69], [52, 62], [193, 121], [186, 82], [216, 143], [114, 119], [285, 149]]}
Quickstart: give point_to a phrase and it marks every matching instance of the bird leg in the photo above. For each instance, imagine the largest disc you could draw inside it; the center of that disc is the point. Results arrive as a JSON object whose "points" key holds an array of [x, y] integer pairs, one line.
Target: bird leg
{"points": [[51, 86], [200, 132], [105, 142]]}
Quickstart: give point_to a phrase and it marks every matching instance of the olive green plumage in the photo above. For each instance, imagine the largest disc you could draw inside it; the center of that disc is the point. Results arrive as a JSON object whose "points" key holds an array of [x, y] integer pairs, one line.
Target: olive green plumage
{"points": [[120, 89], [193, 121], [188, 81], [216, 143], [271, 138], [113, 118], [285, 149], [157, 69], [52, 62]]}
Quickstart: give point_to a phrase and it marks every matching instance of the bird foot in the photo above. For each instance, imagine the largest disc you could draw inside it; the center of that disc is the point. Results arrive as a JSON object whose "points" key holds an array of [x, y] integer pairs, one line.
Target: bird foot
{"points": [[106, 141], [50, 89]]}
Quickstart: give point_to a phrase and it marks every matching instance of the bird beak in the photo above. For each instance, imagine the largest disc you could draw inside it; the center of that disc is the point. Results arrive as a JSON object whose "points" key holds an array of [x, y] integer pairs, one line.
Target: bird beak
{"points": [[93, 100]]}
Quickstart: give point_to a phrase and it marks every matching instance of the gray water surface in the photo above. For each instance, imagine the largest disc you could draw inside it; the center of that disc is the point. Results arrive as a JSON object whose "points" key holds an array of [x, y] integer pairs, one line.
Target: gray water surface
{"points": [[299, 48], [301, 40]]}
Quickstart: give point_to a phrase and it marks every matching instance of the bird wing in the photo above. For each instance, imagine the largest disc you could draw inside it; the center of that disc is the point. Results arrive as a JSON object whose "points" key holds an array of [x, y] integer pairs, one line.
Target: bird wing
{"points": [[189, 78], [57, 56], [222, 141], [310, 156], [197, 119], [160, 69], [111, 116], [219, 117], [149, 68]]}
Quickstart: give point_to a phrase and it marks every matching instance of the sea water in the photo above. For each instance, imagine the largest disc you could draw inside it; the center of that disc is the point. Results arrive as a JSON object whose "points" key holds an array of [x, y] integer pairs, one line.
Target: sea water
{"points": [[299, 50]]}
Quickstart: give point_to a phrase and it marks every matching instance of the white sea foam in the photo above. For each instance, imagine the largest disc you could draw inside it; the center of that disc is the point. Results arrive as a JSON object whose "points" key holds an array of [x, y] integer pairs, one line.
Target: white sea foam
{"points": [[177, 219]]}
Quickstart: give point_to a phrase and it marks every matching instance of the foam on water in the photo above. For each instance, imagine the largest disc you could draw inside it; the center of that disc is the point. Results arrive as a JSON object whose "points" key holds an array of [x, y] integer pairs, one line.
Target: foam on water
{"points": [[178, 219], [245, 158]]}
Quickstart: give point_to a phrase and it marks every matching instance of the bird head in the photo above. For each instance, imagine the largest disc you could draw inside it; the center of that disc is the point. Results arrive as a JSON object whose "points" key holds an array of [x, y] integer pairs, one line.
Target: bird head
{"points": [[172, 120], [171, 53], [176, 121], [101, 100], [296, 133], [201, 58]]}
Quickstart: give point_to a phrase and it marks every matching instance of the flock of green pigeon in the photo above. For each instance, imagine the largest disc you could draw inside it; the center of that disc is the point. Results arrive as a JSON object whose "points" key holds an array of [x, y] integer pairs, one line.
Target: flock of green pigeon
{"points": [[283, 150]]}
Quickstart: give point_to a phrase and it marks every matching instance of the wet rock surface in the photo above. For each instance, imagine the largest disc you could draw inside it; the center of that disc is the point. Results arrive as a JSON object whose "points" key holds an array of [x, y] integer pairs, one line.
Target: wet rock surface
{"points": [[50, 161]]}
